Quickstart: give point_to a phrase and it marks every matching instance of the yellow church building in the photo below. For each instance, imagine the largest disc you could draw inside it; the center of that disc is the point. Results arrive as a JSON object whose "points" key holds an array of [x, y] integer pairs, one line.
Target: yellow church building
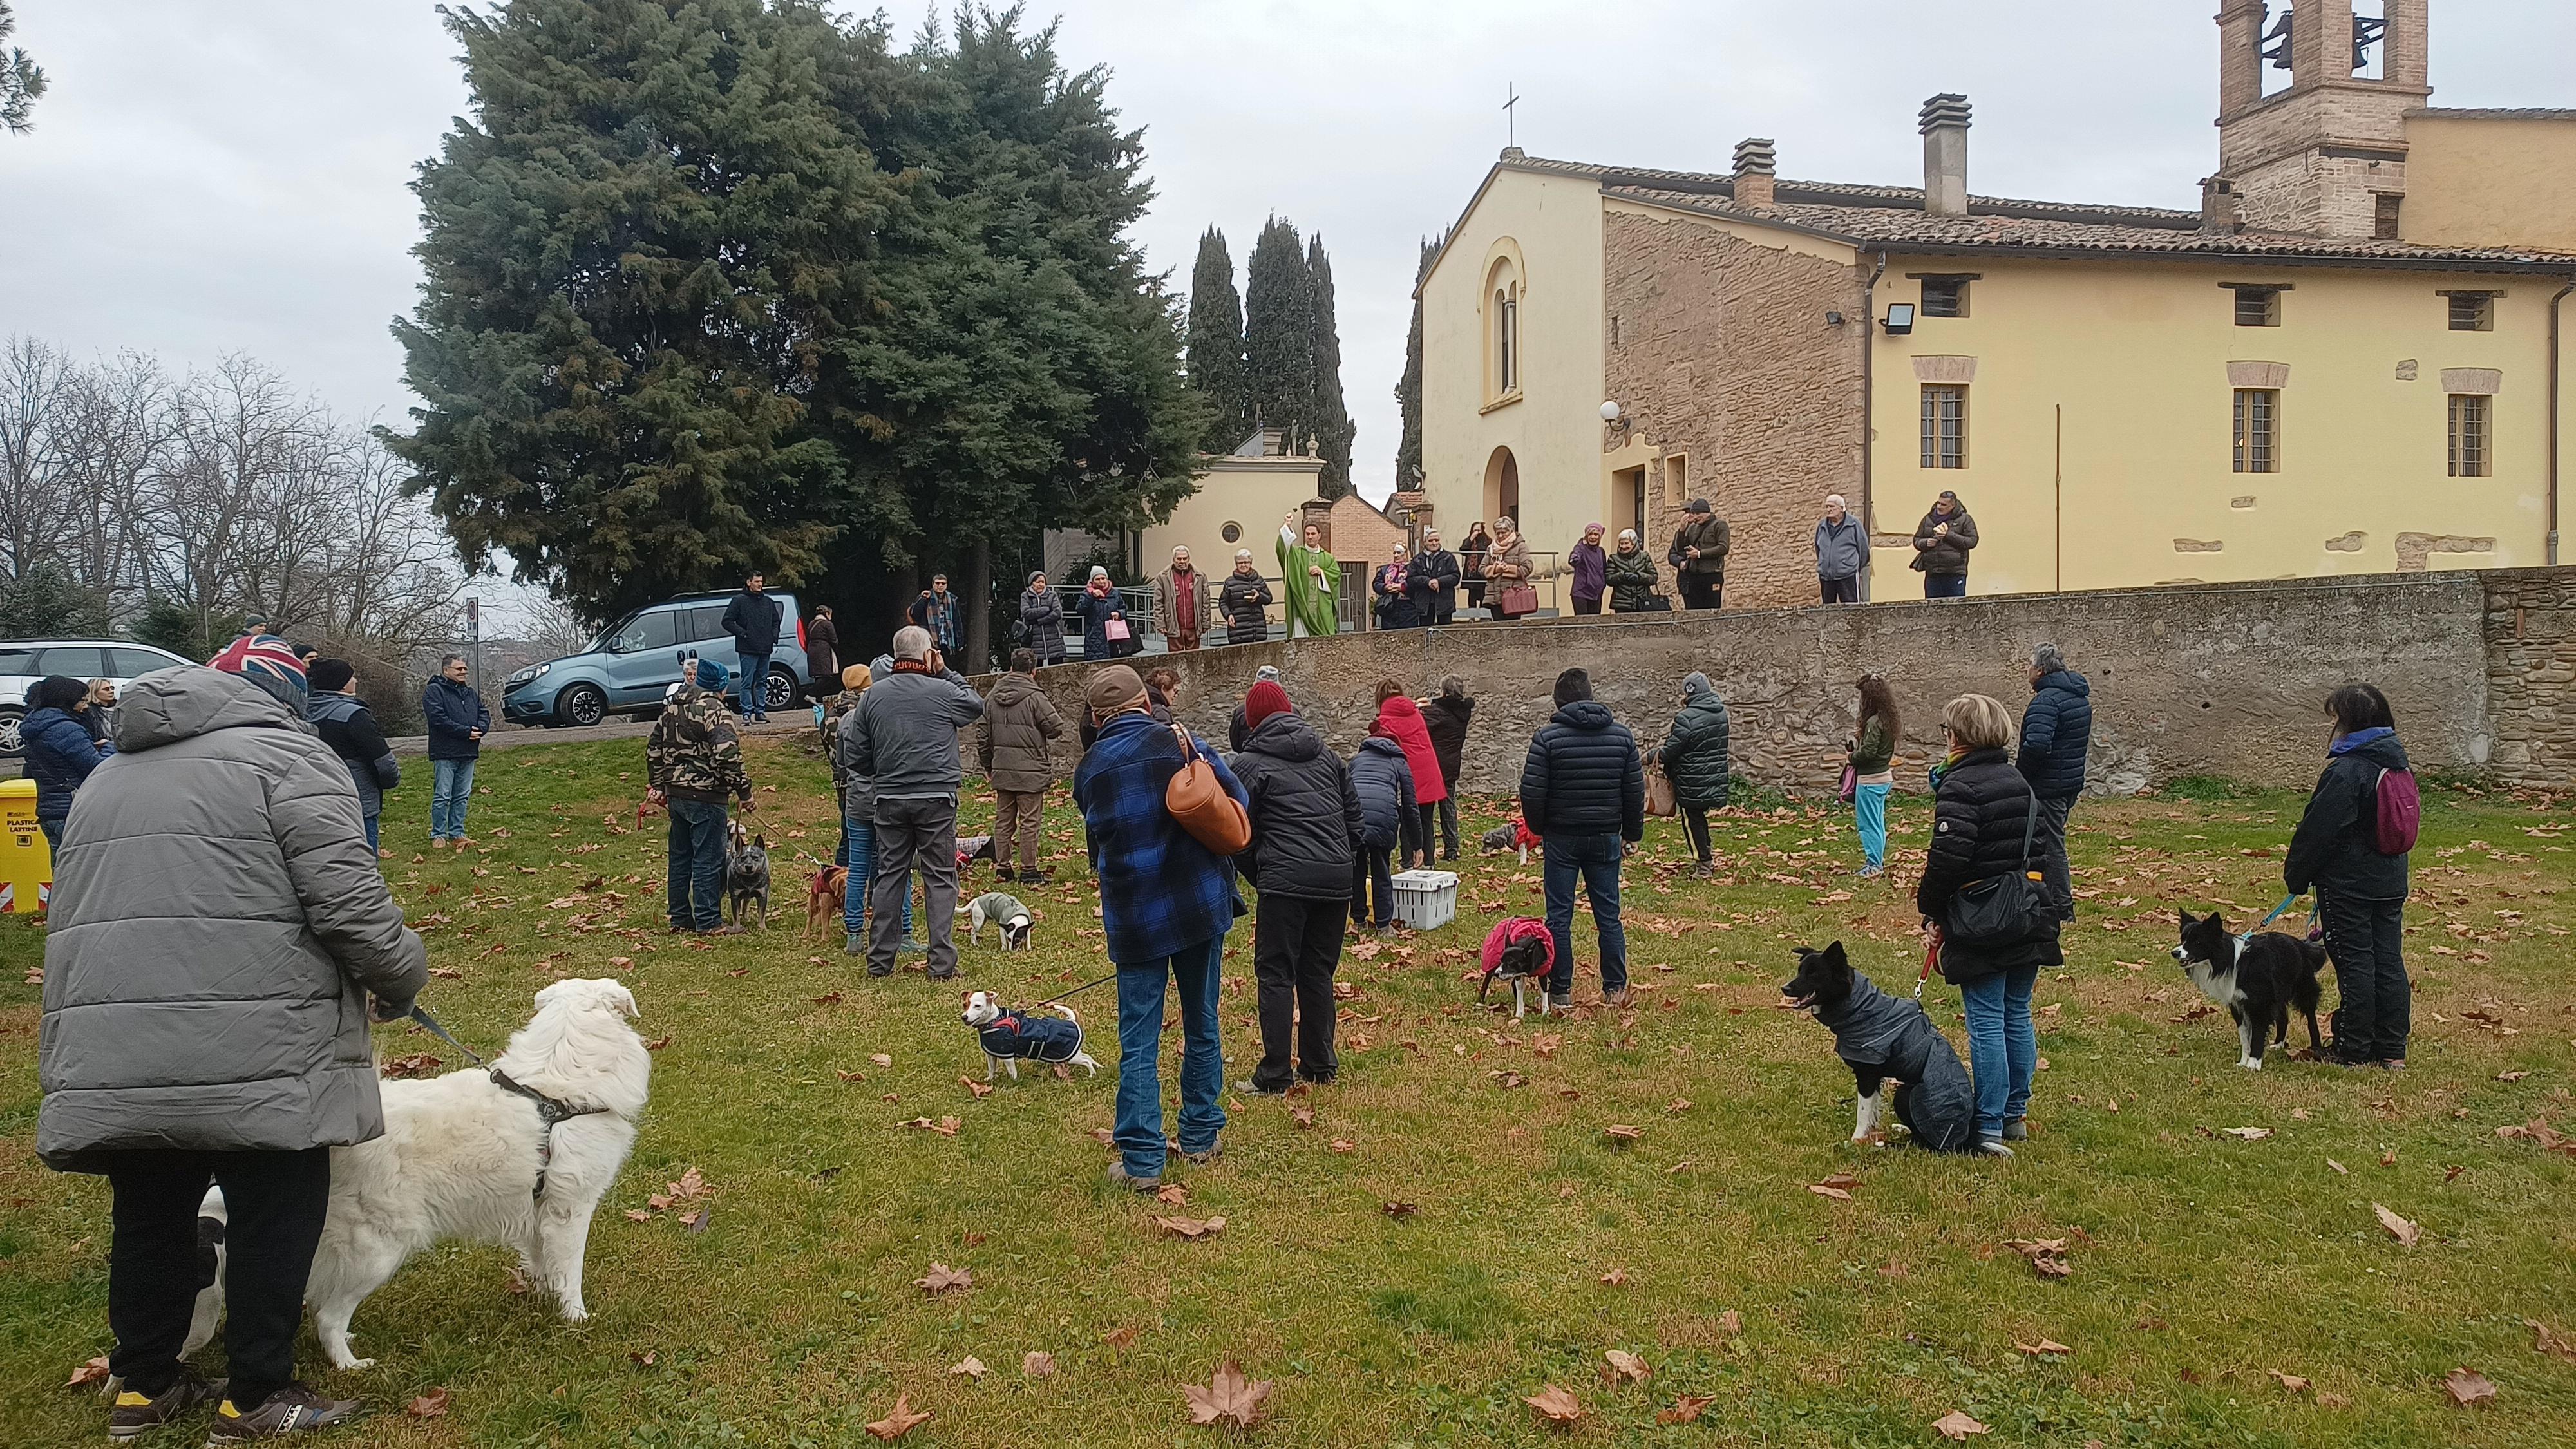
{"points": [[2349, 360]]}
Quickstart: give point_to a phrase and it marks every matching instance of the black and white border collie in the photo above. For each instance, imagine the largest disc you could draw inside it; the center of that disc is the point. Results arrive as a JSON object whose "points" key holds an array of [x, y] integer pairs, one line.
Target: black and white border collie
{"points": [[2257, 979]]}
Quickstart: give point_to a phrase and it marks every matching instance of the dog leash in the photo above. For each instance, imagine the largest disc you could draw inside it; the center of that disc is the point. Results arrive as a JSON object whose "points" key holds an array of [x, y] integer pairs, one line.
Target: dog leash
{"points": [[1931, 953], [2286, 902], [420, 1013], [1077, 991]]}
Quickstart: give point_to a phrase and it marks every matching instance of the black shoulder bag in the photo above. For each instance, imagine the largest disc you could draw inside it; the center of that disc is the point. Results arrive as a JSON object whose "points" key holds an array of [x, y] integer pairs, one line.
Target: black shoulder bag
{"points": [[2007, 909]]}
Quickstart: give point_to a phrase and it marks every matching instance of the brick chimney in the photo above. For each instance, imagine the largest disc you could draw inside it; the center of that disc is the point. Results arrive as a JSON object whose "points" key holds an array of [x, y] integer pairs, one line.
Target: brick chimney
{"points": [[1945, 155], [2220, 208], [1755, 161]]}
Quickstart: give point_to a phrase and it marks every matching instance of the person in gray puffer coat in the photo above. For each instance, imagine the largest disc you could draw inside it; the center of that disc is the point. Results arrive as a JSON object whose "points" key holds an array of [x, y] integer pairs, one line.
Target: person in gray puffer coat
{"points": [[1694, 758], [1883, 1036], [218, 924], [1384, 784]]}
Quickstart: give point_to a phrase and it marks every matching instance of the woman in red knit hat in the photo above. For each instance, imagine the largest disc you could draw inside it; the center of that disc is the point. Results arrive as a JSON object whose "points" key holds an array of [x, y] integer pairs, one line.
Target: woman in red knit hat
{"points": [[1305, 833]]}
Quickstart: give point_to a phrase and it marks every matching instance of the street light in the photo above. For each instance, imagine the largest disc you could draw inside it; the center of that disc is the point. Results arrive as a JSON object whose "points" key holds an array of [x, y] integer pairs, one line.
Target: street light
{"points": [[1611, 411]]}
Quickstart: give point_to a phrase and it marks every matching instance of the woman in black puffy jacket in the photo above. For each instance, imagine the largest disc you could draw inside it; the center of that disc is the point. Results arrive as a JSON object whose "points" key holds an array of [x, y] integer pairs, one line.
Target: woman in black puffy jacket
{"points": [[2361, 891], [1305, 835], [1042, 615], [1981, 828]]}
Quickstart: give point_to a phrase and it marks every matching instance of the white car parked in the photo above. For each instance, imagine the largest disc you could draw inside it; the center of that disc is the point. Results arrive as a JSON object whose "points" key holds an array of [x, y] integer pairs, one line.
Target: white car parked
{"points": [[24, 661]]}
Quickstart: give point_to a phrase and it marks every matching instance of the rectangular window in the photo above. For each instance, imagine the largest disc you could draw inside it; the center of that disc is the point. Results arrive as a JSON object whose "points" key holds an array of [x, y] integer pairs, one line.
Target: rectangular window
{"points": [[2258, 430], [2258, 306], [2472, 311], [1945, 426], [1507, 345], [1677, 479], [2383, 218], [2472, 435], [1945, 296]]}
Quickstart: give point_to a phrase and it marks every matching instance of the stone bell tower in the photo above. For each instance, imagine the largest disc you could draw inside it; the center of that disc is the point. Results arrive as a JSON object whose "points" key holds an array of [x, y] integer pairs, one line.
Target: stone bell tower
{"points": [[2327, 155]]}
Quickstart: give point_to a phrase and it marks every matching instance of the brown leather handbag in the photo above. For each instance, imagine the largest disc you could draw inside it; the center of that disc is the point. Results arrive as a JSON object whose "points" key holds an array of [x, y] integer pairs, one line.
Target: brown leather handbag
{"points": [[1200, 803]]}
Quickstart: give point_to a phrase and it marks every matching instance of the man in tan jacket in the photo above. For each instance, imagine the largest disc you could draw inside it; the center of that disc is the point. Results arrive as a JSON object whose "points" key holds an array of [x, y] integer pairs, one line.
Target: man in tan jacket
{"points": [[1181, 602]]}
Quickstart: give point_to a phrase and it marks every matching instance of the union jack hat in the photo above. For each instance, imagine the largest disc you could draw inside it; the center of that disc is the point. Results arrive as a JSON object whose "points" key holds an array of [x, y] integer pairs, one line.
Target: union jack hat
{"points": [[265, 659]]}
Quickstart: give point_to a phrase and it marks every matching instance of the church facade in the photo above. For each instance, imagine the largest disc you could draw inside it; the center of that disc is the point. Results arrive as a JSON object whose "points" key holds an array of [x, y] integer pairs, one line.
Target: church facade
{"points": [[2350, 359]]}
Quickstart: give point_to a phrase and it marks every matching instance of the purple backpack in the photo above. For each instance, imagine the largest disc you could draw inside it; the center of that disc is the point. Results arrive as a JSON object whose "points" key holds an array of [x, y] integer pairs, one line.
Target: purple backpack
{"points": [[2401, 812]]}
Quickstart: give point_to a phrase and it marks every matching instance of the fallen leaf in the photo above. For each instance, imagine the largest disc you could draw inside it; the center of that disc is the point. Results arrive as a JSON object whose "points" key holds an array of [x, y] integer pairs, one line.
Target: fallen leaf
{"points": [[93, 1372], [1731, 1323], [1191, 1227], [1037, 1364], [2406, 1233], [2339, 1168], [639, 1215], [1227, 1399], [1956, 1426], [941, 1278], [970, 1366], [899, 1421], [2467, 1386], [1838, 1194], [696, 1222], [978, 1090], [1615, 1278], [1398, 1209], [2544, 1341], [1686, 1409], [2044, 1347], [645, 1358], [1172, 1194], [1620, 1366], [2292, 1382], [1343, 1144], [2511, 1076], [1678, 1105], [1622, 1132], [1302, 1116], [1559, 1408], [881, 1059], [2250, 1134], [657, 1045], [431, 1405], [692, 1184], [1844, 1180]]}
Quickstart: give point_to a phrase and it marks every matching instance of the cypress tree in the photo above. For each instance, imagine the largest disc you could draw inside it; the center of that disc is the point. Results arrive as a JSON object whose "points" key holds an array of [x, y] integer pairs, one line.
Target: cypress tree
{"points": [[1331, 420], [1408, 388], [1216, 345], [1278, 341]]}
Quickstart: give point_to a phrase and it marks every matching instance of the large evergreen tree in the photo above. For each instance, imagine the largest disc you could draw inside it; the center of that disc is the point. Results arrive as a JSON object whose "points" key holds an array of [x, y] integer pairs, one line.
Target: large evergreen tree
{"points": [[1278, 339], [637, 255], [22, 81], [1216, 345], [1331, 419], [1408, 388]]}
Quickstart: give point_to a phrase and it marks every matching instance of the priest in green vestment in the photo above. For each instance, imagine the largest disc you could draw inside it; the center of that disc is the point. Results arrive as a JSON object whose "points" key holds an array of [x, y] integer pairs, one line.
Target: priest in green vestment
{"points": [[1313, 578]]}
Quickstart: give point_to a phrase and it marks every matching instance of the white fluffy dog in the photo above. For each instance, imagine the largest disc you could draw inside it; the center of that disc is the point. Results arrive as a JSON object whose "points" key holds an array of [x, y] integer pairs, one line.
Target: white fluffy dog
{"points": [[464, 1156]]}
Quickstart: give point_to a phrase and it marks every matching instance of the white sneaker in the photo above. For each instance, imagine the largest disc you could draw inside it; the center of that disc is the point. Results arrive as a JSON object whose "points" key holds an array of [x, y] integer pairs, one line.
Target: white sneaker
{"points": [[1992, 1147]]}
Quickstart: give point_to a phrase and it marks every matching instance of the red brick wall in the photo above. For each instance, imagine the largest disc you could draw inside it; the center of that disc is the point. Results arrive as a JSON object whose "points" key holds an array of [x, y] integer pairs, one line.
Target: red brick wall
{"points": [[1723, 353]]}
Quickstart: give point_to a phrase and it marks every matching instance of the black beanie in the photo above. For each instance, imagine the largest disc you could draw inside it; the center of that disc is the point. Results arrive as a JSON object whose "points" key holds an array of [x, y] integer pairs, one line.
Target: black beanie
{"points": [[330, 674], [1571, 686]]}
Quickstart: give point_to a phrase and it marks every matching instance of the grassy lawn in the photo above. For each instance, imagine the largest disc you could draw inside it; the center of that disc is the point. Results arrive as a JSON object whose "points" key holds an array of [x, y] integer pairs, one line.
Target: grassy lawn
{"points": [[2203, 1263]]}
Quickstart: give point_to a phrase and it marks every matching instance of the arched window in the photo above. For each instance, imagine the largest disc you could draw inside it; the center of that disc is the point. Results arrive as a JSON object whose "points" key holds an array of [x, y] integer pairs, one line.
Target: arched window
{"points": [[1507, 324], [1502, 308]]}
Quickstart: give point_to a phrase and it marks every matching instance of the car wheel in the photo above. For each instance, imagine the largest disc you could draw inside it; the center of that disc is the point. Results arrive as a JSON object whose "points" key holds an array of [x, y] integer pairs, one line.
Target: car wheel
{"points": [[782, 693], [582, 704], [12, 743]]}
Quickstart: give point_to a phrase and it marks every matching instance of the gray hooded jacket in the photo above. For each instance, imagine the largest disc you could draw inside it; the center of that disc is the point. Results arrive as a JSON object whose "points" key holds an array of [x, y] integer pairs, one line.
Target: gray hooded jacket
{"points": [[1892, 1035], [217, 925]]}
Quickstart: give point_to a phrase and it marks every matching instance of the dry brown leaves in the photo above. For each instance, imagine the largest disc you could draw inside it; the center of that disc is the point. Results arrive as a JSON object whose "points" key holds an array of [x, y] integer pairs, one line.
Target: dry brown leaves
{"points": [[2544, 1341], [899, 1421], [431, 1405], [1955, 1426], [971, 1367], [2250, 1134], [1615, 1278], [2047, 1255], [1398, 1210], [1686, 1409], [1191, 1228], [1618, 1366], [1037, 1364], [2407, 1233], [1122, 1337], [2045, 1348], [945, 1126], [1555, 1406], [1227, 1400], [93, 1372], [1172, 1194], [941, 1278], [418, 1064], [977, 1090], [1623, 1133], [2467, 1386], [2291, 1382]]}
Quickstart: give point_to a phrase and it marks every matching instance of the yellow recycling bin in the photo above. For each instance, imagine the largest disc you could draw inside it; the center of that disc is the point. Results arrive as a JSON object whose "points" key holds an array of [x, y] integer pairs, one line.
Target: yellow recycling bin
{"points": [[26, 861]]}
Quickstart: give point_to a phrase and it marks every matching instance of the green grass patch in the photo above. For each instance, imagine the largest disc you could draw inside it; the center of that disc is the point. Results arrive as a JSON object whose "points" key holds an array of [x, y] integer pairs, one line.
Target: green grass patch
{"points": [[2202, 1262]]}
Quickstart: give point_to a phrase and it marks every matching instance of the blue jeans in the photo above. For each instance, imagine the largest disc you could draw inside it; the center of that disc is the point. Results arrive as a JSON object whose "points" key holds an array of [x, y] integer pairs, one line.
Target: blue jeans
{"points": [[695, 890], [1945, 586], [2003, 1047], [862, 835], [1139, 1134], [1869, 815], [1596, 859], [373, 823], [755, 685], [451, 784]]}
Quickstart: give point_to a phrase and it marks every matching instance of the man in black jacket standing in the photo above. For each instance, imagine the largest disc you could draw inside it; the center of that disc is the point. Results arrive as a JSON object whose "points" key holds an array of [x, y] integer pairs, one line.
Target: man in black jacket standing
{"points": [[1432, 580], [1444, 717], [752, 619], [1305, 831], [2056, 736], [1583, 791]]}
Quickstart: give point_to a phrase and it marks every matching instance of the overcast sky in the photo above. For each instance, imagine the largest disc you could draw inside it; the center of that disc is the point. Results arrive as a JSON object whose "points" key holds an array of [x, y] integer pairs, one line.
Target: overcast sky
{"points": [[206, 178]]}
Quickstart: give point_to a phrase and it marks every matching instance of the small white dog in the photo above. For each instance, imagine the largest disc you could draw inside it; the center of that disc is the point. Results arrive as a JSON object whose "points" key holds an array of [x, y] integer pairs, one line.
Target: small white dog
{"points": [[518, 1153], [1005, 912], [1009, 1037]]}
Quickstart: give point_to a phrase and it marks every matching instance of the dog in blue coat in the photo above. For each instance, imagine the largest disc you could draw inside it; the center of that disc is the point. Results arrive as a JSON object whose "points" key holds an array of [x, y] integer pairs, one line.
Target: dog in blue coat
{"points": [[1011, 1037]]}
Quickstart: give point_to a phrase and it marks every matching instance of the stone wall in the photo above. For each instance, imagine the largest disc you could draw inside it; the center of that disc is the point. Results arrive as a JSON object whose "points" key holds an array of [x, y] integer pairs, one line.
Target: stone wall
{"points": [[1722, 353], [2227, 680]]}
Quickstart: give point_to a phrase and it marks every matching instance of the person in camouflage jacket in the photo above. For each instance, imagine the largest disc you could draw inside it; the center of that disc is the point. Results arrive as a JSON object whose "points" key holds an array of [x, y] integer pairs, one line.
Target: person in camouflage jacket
{"points": [[693, 762]]}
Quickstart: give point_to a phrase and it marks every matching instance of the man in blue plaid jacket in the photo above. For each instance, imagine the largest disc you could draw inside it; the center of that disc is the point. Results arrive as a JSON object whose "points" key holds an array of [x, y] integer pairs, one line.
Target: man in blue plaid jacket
{"points": [[1166, 902]]}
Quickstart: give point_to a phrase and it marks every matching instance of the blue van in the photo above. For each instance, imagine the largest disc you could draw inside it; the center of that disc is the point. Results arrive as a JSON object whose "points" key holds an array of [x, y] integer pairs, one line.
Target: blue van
{"points": [[633, 662]]}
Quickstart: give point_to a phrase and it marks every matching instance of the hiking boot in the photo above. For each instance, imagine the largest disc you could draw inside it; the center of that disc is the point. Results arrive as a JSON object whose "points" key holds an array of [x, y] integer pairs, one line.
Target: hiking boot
{"points": [[1992, 1147], [135, 1414], [2016, 1130], [1119, 1176], [292, 1410]]}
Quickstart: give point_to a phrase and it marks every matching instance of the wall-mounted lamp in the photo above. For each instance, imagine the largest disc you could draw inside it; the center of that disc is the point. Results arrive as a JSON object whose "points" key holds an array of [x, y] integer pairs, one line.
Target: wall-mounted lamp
{"points": [[1611, 412], [1900, 319], [1833, 319]]}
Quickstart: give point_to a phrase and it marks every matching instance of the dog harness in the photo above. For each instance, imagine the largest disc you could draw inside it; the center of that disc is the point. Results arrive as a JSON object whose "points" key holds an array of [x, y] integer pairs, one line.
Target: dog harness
{"points": [[551, 1113], [1033, 1038]]}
